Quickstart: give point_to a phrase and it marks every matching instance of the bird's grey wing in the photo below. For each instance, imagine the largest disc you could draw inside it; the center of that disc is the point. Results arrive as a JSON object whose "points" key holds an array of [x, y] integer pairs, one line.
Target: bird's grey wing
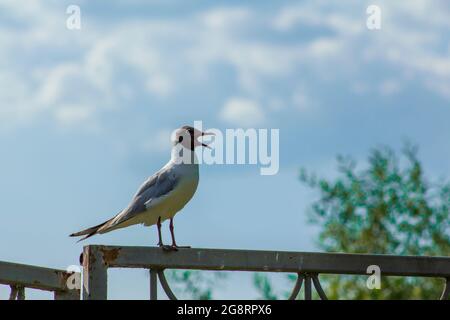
{"points": [[158, 185]]}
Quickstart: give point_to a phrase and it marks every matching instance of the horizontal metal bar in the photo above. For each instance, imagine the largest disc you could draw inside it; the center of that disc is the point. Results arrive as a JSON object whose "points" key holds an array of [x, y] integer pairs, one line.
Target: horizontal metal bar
{"points": [[23, 275], [272, 261]]}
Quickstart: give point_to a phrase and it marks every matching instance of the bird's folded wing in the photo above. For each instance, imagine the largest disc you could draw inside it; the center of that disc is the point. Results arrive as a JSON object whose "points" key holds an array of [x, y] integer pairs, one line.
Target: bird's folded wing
{"points": [[158, 185]]}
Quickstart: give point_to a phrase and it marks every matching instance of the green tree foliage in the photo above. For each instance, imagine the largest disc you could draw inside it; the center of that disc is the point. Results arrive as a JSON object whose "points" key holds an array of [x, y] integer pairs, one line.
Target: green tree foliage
{"points": [[387, 208], [264, 287], [196, 285]]}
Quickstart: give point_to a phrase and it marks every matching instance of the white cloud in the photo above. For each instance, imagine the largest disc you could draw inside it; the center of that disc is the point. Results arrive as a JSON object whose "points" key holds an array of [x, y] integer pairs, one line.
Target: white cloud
{"points": [[225, 18], [409, 42], [70, 115], [121, 59], [159, 85], [158, 142], [390, 87], [359, 88], [276, 104], [317, 14], [58, 83], [323, 47], [242, 112], [302, 101], [441, 88]]}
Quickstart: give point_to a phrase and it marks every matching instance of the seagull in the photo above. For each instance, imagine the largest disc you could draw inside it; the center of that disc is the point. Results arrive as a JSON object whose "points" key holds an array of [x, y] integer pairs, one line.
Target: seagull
{"points": [[163, 194]]}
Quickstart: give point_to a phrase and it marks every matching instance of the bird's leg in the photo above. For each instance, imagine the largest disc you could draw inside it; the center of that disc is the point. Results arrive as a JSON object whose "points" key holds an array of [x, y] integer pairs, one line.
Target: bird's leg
{"points": [[174, 243], [160, 242], [172, 234]]}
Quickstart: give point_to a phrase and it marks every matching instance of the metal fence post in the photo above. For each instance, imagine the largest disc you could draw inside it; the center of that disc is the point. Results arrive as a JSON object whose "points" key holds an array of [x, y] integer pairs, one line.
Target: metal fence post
{"points": [[446, 293], [95, 275], [153, 284], [67, 295], [308, 295], [308, 265]]}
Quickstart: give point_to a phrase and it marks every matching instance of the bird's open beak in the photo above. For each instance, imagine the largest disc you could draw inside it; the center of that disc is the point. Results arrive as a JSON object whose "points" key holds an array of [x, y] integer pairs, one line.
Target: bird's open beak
{"points": [[206, 134]]}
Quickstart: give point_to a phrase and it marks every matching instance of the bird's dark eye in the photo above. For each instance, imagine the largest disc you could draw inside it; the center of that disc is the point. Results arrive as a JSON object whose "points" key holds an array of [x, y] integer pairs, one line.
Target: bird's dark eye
{"points": [[180, 138]]}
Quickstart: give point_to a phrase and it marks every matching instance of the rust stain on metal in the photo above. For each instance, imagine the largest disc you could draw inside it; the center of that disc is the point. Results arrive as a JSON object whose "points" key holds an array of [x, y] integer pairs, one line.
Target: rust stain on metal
{"points": [[110, 255], [92, 259], [64, 279]]}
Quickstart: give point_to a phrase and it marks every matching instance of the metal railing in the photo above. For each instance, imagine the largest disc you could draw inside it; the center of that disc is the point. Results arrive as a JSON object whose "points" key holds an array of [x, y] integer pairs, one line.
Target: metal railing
{"points": [[22, 276], [308, 266]]}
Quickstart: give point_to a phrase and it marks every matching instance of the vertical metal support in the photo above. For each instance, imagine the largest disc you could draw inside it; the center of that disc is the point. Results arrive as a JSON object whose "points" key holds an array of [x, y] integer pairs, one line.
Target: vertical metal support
{"points": [[17, 292], [446, 292], [95, 274], [13, 293], [297, 287], [21, 293], [318, 287], [153, 284], [165, 285], [67, 295], [308, 295]]}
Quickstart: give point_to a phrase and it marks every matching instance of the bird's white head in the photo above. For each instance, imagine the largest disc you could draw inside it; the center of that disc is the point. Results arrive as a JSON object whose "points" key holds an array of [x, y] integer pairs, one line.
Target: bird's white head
{"points": [[188, 136]]}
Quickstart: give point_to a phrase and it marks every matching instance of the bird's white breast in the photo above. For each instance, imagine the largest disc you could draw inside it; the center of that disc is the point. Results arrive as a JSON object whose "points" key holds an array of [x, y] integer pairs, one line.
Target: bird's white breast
{"points": [[167, 206]]}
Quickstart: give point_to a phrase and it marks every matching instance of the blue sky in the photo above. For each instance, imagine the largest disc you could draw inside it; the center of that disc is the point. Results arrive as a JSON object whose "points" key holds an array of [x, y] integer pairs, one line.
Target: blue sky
{"points": [[85, 115]]}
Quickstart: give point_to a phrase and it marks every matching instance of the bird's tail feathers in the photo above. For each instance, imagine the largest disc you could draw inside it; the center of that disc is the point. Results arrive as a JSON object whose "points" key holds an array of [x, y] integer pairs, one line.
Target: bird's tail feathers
{"points": [[89, 232]]}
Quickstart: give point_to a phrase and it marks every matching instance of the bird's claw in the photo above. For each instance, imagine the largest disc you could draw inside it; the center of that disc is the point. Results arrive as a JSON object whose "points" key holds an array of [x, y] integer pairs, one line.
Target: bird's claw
{"points": [[183, 247], [173, 247], [169, 248]]}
